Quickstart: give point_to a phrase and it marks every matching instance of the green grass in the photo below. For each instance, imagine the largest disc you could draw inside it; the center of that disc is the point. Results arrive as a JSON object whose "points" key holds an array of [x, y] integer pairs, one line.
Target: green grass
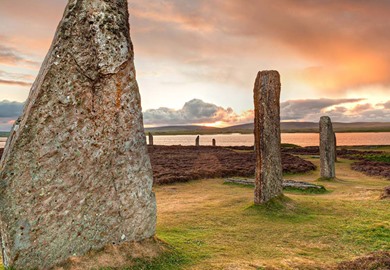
{"points": [[170, 260], [209, 225], [305, 230], [385, 157]]}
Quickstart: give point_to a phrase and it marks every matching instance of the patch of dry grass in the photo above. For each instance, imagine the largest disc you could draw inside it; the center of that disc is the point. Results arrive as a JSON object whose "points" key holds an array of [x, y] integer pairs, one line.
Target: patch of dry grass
{"points": [[116, 256]]}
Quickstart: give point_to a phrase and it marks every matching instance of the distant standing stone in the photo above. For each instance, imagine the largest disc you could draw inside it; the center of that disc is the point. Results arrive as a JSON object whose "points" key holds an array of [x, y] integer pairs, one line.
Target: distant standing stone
{"points": [[214, 142], [327, 148], [76, 174], [151, 139], [197, 141], [269, 177]]}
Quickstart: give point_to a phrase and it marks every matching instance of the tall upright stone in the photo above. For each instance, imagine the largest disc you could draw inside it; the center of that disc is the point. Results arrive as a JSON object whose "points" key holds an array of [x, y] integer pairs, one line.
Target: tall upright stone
{"points": [[214, 142], [197, 141], [76, 175], [151, 142], [269, 177], [327, 148]]}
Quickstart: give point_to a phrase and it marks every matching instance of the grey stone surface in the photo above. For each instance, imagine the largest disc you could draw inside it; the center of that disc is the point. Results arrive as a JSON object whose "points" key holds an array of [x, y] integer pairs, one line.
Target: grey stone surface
{"points": [[269, 177], [75, 175], [197, 141], [327, 148], [300, 185], [151, 142], [214, 142]]}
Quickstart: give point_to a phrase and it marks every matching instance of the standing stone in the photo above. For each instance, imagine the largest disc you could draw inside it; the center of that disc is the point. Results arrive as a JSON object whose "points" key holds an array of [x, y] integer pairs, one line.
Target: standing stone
{"points": [[214, 142], [269, 177], [151, 139], [197, 141], [76, 175], [327, 148], [335, 147]]}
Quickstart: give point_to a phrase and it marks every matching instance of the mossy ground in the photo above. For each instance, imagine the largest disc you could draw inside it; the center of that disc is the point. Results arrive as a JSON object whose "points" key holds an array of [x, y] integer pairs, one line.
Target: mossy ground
{"points": [[210, 225]]}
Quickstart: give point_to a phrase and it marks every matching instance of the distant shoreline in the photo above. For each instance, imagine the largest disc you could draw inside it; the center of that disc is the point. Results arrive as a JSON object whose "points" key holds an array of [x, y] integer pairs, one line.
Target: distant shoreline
{"points": [[200, 132], [286, 127], [5, 134]]}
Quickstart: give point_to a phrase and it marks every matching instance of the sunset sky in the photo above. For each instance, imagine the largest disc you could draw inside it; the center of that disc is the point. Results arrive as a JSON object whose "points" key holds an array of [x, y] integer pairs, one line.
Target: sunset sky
{"points": [[196, 61]]}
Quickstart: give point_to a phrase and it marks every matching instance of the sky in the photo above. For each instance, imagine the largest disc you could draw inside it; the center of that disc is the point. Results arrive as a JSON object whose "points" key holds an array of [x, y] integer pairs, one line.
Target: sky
{"points": [[196, 61]]}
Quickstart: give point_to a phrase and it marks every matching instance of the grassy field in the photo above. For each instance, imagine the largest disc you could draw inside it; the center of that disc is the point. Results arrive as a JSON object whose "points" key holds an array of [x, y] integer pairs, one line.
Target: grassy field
{"points": [[211, 225], [215, 226]]}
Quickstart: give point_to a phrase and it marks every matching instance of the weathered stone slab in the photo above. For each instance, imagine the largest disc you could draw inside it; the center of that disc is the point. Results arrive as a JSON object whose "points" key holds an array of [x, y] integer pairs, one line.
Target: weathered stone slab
{"points": [[327, 148], [287, 184], [151, 142], [269, 179], [75, 175]]}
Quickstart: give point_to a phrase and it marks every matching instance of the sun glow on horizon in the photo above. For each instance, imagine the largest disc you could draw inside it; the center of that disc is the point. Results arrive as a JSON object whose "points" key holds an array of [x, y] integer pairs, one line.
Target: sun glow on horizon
{"points": [[218, 124]]}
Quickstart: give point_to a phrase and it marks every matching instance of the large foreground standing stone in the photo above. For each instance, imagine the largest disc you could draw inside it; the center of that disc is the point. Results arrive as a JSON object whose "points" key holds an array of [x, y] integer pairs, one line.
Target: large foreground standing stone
{"points": [[327, 148], [76, 176], [269, 177]]}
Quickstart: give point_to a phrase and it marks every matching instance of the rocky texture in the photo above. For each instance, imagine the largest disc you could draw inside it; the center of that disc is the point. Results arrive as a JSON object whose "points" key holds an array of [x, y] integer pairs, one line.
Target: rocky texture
{"points": [[287, 184], [197, 141], [214, 142], [75, 175], [304, 186], [184, 163], [151, 142], [327, 148], [268, 175]]}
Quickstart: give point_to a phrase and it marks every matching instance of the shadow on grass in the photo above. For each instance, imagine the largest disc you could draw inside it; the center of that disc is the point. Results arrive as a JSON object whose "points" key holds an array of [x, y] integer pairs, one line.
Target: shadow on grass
{"points": [[307, 191]]}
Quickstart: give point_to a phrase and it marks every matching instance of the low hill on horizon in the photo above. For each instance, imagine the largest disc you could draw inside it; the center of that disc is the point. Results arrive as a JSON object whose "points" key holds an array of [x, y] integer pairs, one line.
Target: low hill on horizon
{"points": [[286, 127]]}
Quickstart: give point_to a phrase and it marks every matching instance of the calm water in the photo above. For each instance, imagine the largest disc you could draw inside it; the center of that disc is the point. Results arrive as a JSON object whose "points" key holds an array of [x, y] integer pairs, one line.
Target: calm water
{"points": [[2, 142], [302, 139]]}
